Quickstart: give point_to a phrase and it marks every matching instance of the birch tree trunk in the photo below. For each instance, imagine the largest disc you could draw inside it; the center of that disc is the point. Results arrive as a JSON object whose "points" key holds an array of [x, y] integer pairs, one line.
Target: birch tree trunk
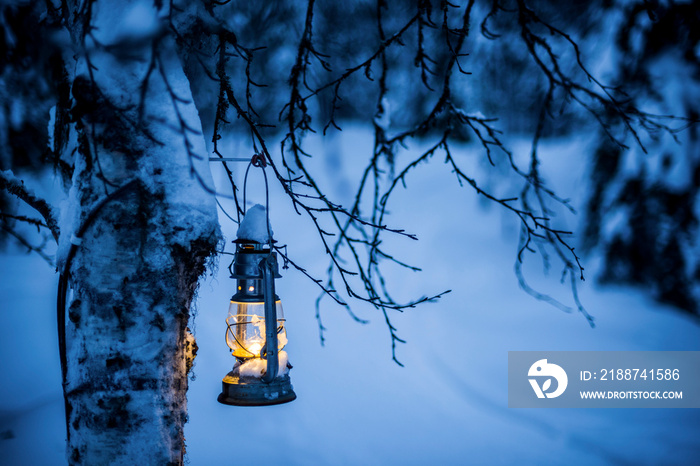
{"points": [[136, 269]]}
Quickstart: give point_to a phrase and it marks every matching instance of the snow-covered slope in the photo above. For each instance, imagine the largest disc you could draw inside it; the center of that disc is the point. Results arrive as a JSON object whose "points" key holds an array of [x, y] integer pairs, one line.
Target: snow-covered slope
{"points": [[448, 405]]}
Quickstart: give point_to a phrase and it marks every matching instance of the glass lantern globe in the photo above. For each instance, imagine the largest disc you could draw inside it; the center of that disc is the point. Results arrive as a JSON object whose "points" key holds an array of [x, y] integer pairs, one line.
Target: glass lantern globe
{"points": [[245, 332]]}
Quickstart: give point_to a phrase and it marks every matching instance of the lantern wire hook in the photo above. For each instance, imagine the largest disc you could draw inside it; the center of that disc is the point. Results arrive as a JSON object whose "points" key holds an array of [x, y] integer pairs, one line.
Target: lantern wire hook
{"points": [[258, 160]]}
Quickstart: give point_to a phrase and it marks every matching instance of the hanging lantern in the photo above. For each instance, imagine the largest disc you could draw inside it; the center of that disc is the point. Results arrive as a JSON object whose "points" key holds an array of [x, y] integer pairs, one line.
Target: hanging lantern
{"points": [[255, 332]]}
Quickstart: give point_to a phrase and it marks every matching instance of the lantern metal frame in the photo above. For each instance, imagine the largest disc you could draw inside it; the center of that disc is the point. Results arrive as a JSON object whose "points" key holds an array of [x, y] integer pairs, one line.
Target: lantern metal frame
{"points": [[256, 263]]}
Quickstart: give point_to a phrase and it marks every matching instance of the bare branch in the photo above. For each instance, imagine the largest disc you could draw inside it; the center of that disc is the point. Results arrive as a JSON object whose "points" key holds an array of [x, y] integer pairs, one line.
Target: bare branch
{"points": [[15, 186]]}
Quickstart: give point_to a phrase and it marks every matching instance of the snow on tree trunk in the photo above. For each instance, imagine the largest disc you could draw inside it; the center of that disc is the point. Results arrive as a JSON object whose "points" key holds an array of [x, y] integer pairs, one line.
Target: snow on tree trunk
{"points": [[136, 270]]}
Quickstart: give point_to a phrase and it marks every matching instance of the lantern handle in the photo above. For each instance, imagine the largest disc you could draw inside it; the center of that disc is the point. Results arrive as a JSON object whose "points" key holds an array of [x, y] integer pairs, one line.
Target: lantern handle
{"points": [[258, 160]]}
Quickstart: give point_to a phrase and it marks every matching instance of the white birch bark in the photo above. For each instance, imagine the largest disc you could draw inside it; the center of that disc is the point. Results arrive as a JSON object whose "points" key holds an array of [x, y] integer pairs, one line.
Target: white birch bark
{"points": [[136, 270]]}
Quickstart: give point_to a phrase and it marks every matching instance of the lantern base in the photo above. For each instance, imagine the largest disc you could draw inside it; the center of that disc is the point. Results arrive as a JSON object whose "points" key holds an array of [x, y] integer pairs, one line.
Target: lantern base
{"points": [[251, 391]]}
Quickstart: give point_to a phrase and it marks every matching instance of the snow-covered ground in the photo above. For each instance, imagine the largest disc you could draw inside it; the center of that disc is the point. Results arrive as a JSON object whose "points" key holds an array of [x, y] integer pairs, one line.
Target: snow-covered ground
{"points": [[448, 405]]}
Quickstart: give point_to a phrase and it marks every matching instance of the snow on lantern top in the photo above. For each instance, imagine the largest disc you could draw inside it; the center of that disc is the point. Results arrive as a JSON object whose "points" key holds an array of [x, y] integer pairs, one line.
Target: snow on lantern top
{"points": [[254, 226]]}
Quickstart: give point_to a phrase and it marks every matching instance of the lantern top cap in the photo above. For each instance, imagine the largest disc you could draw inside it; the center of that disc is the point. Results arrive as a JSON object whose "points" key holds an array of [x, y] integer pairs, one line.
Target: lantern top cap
{"points": [[255, 226]]}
